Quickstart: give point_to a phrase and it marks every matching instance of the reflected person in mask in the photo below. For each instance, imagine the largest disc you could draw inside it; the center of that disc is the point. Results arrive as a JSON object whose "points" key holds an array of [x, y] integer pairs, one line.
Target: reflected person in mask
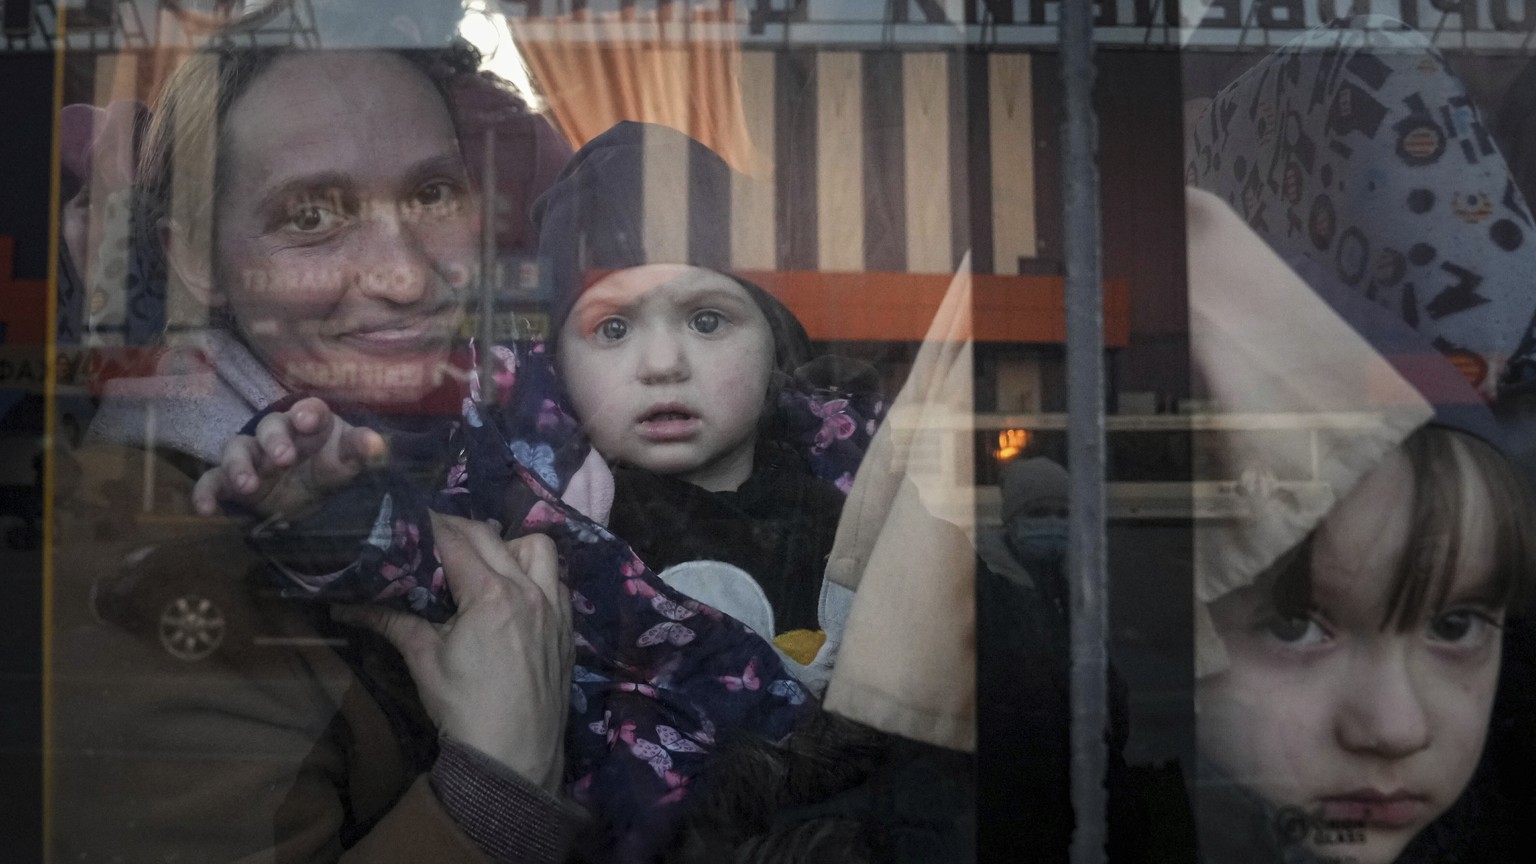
{"points": [[1034, 530], [1023, 711]]}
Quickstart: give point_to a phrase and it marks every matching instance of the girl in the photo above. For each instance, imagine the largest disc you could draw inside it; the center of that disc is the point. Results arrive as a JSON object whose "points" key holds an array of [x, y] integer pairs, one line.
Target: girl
{"points": [[1363, 666]]}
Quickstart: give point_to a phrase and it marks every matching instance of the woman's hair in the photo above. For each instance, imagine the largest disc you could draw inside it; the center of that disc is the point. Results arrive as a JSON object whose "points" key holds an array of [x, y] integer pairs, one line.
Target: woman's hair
{"points": [[183, 161], [1449, 468]]}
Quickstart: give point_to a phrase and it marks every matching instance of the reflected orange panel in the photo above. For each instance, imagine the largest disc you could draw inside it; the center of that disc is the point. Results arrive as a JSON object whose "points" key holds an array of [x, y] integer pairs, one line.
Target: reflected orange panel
{"points": [[900, 306], [596, 70], [23, 302]]}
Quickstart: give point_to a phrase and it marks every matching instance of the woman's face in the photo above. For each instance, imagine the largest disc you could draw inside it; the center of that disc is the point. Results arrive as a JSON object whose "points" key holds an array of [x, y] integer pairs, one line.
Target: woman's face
{"points": [[668, 368], [1368, 731], [345, 235]]}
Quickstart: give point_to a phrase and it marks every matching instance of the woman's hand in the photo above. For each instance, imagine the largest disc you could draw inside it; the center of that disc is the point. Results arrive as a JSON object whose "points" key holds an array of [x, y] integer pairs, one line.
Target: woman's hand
{"points": [[497, 675], [295, 458]]}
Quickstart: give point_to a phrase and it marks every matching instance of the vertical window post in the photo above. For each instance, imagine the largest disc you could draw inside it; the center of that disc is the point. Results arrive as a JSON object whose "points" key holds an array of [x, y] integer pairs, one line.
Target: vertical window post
{"points": [[1086, 557]]}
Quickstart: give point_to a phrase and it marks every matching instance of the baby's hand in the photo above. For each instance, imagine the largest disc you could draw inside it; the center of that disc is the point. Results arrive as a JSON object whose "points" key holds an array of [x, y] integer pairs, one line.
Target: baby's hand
{"points": [[293, 460]]}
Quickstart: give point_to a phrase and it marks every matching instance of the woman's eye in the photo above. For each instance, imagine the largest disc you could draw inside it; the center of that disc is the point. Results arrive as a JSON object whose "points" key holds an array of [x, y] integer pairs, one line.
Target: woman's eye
{"points": [[1295, 630], [612, 329], [707, 321], [312, 218], [1465, 626], [438, 195]]}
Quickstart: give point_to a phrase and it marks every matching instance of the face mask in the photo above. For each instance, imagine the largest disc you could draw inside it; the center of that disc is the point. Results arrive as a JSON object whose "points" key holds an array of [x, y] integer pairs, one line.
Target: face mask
{"points": [[1039, 543]]}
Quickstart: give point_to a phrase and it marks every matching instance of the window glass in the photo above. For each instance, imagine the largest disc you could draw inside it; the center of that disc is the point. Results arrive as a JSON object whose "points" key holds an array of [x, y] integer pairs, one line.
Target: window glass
{"points": [[629, 431]]}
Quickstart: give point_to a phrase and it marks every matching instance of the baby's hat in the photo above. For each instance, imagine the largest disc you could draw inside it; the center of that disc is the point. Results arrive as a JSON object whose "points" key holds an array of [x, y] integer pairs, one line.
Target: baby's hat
{"points": [[646, 194]]}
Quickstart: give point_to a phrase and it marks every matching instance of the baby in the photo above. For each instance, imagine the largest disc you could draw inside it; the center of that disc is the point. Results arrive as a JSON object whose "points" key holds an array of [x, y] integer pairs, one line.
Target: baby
{"points": [[731, 448], [729, 444]]}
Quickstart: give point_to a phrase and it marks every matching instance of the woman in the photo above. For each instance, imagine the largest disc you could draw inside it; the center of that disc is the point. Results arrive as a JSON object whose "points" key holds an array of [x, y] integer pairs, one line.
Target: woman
{"points": [[333, 255]]}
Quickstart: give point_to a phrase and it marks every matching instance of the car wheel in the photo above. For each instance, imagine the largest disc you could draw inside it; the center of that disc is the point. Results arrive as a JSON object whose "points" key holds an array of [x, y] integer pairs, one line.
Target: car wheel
{"points": [[191, 626]]}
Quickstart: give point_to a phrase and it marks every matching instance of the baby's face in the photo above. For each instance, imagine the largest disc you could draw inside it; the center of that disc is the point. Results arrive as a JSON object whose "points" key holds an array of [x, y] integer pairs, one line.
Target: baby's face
{"points": [[668, 368], [1368, 732]]}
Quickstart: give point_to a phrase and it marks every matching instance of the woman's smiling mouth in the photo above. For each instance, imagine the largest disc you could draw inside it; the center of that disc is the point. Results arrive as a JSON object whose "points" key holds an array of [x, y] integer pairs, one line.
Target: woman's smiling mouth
{"points": [[393, 337]]}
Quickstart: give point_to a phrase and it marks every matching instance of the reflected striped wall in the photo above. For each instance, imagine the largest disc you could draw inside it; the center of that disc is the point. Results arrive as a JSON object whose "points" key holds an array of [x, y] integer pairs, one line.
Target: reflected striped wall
{"points": [[865, 161], [876, 161]]}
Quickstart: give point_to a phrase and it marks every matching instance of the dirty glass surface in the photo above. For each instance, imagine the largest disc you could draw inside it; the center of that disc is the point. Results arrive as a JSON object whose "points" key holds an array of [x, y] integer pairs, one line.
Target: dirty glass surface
{"points": [[680, 438]]}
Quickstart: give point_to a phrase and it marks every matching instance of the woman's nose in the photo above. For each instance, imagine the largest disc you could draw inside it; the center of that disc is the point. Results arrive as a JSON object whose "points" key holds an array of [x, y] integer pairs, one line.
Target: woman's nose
{"points": [[1381, 711], [394, 263], [663, 357]]}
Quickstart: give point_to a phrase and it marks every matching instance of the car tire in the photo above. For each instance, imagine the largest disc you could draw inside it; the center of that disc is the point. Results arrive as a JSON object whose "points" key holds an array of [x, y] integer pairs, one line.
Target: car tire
{"points": [[191, 626]]}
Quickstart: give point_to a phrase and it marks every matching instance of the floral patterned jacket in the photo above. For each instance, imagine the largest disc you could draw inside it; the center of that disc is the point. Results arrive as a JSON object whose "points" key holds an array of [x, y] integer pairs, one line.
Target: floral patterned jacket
{"points": [[659, 677]]}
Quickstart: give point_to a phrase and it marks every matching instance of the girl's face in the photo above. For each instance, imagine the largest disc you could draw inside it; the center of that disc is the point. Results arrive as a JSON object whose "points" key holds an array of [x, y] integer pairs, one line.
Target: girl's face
{"points": [[345, 234], [1369, 731], [668, 368]]}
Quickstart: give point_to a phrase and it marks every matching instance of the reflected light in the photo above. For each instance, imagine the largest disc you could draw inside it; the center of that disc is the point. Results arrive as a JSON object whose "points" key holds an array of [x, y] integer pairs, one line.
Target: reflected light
{"points": [[1010, 443], [485, 27]]}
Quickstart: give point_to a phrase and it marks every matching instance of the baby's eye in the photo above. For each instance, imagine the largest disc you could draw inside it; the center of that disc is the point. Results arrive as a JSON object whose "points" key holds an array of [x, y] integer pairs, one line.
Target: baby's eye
{"points": [[1466, 627], [1295, 630], [706, 321], [612, 329]]}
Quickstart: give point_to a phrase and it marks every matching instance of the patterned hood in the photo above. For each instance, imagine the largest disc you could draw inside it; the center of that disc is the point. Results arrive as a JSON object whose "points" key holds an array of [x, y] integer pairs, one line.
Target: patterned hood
{"points": [[1359, 158]]}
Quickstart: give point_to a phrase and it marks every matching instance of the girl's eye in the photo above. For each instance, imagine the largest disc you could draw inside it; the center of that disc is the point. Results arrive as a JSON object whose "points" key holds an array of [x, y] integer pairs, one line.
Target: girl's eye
{"points": [[612, 329], [1295, 630], [706, 321], [1467, 627]]}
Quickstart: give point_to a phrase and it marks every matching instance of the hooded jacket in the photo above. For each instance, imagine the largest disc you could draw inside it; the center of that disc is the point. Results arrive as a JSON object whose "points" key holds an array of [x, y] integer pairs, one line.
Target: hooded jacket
{"points": [[295, 739]]}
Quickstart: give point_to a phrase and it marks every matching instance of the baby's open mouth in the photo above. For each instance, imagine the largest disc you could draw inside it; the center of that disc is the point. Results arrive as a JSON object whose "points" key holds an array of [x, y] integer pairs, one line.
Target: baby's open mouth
{"points": [[663, 423], [660, 412]]}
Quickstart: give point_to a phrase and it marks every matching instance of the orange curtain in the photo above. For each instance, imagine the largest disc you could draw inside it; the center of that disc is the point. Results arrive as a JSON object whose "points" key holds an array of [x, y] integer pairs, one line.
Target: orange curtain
{"points": [[595, 71]]}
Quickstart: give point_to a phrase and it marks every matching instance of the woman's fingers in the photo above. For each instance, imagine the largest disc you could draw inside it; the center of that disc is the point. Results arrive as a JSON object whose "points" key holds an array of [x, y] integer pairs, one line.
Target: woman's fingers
{"points": [[530, 559], [415, 638], [235, 478], [214, 486], [536, 556], [310, 416], [459, 545], [503, 661], [275, 436], [360, 448], [241, 457]]}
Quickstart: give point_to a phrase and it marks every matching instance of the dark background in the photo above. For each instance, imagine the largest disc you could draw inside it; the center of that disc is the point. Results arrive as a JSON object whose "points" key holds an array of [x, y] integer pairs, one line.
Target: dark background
{"points": [[26, 139]]}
